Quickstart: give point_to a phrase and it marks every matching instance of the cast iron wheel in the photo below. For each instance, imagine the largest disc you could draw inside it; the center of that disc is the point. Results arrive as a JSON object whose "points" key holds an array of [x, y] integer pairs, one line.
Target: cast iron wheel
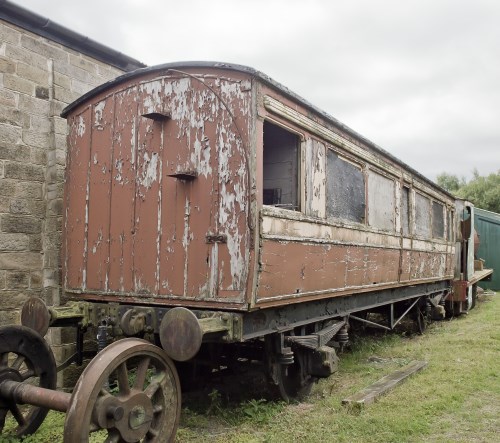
{"points": [[27, 358], [131, 391]]}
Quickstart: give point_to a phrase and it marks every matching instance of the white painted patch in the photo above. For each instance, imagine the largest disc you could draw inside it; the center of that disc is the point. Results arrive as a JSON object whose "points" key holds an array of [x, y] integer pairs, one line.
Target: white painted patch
{"points": [[149, 172], [80, 129], [98, 113]]}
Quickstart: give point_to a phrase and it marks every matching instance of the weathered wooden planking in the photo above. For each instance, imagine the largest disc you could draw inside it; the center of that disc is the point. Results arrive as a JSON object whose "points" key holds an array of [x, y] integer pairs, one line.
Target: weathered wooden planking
{"points": [[385, 384]]}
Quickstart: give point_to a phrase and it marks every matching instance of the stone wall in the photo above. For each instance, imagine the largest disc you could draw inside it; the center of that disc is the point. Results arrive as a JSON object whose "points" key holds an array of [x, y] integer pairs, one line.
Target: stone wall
{"points": [[38, 78]]}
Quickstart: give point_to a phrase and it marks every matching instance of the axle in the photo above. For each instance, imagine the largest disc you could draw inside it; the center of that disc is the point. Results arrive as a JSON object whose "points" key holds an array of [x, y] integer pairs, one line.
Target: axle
{"points": [[23, 393]]}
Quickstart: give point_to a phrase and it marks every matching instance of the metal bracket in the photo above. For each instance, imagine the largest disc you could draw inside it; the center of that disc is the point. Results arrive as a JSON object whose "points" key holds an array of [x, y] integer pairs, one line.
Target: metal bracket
{"points": [[216, 238]]}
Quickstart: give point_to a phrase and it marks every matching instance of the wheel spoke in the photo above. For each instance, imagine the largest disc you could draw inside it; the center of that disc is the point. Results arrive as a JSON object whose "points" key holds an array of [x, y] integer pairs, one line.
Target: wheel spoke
{"points": [[3, 414], [18, 362], [113, 437], [142, 369], [17, 415], [4, 359], [155, 384], [27, 374], [122, 376]]}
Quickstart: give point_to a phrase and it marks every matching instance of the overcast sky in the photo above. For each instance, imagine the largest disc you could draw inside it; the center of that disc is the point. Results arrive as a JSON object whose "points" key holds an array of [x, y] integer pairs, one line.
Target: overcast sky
{"points": [[421, 78]]}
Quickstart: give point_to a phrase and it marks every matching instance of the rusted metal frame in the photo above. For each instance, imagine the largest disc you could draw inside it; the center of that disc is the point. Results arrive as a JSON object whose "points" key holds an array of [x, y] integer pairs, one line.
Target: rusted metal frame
{"points": [[318, 339], [280, 319]]}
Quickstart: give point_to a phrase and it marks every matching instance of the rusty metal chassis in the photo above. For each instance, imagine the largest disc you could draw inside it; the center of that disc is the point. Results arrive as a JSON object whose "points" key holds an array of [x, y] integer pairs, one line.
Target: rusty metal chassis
{"points": [[238, 327]]}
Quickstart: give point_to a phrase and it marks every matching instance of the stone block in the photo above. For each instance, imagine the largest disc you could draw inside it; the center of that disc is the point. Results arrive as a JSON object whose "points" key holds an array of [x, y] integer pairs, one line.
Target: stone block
{"points": [[61, 141], [62, 80], [24, 171], [40, 123], [35, 242], [27, 190], [33, 105], [9, 136], [13, 242], [11, 317], [39, 76], [9, 34], [17, 280], [20, 224], [41, 46], [60, 126], [13, 299], [39, 156], [7, 66], [18, 84], [8, 98], [83, 63], [21, 260], [65, 95], [36, 280], [36, 138], [73, 72], [11, 116], [26, 56], [8, 187], [19, 153], [42, 92], [19, 206], [61, 157], [37, 208]]}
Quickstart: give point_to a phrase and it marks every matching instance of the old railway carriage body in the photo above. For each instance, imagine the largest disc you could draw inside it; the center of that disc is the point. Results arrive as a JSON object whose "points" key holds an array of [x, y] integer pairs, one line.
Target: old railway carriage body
{"points": [[212, 211], [210, 186]]}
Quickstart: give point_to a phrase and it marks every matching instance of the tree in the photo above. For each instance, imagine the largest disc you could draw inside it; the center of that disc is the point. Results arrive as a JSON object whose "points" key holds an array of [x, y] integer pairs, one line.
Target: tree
{"points": [[450, 182], [483, 191]]}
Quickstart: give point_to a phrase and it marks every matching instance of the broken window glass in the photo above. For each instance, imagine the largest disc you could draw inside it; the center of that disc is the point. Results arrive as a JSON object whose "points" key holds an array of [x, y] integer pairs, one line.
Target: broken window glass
{"points": [[405, 211], [437, 220], [422, 216], [381, 200], [345, 189]]}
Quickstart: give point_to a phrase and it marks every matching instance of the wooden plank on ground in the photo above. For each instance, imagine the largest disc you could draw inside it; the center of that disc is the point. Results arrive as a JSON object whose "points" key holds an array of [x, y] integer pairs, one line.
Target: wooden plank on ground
{"points": [[385, 384]]}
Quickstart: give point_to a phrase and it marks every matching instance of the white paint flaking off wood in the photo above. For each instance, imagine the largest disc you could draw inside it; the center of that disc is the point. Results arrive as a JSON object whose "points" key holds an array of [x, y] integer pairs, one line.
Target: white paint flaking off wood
{"points": [[98, 114], [80, 129], [149, 173]]}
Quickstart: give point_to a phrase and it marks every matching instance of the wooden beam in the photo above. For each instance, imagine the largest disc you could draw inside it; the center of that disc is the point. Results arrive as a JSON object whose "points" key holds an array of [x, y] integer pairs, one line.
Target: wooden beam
{"points": [[385, 384]]}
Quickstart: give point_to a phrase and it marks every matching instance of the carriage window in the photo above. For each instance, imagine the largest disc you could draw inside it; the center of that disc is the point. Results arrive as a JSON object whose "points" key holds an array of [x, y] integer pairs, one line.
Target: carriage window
{"points": [[345, 189], [422, 216], [437, 220], [381, 201], [281, 170], [405, 211]]}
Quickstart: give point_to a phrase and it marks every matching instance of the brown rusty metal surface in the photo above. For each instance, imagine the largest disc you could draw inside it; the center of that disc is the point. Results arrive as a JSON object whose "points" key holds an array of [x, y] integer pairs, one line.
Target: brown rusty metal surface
{"points": [[180, 334], [146, 403], [134, 227], [164, 196], [35, 315]]}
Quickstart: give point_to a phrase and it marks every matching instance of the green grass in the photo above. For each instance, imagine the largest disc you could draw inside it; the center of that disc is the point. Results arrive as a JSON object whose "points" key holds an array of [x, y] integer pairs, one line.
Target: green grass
{"points": [[456, 398]]}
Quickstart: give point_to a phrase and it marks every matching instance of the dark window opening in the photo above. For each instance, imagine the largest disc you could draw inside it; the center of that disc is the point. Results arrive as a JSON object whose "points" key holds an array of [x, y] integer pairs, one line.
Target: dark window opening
{"points": [[281, 167], [345, 189], [405, 211], [437, 220]]}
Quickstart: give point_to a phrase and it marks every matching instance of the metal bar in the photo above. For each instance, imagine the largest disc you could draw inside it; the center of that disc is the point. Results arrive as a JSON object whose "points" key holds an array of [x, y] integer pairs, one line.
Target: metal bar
{"points": [[377, 325], [391, 325], [23, 393], [406, 312]]}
